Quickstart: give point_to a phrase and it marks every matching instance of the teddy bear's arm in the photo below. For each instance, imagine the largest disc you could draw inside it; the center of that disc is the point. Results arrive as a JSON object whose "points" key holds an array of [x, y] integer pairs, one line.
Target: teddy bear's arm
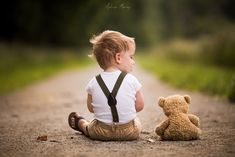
{"points": [[194, 119], [162, 127]]}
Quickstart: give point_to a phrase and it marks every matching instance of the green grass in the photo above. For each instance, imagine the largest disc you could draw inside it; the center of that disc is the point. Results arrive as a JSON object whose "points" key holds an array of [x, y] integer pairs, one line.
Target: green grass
{"points": [[24, 65], [187, 72]]}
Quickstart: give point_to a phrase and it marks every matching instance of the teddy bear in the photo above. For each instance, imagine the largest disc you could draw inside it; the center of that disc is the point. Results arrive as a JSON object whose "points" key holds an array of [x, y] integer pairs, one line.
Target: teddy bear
{"points": [[179, 125]]}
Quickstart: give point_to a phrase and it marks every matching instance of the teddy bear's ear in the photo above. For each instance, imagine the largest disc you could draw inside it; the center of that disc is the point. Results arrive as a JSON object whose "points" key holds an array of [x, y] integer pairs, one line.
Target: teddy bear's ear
{"points": [[187, 99], [161, 101]]}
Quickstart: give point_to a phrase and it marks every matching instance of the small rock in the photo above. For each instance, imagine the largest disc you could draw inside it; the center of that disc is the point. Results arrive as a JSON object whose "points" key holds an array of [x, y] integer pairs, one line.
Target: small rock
{"points": [[42, 138], [55, 141], [150, 140], [145, 132], [15, 115], [215, 121]]}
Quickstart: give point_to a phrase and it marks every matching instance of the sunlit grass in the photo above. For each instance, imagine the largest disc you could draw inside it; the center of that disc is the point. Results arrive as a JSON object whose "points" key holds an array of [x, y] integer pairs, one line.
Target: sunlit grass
{"points": [[188, 72], [24, 65]]}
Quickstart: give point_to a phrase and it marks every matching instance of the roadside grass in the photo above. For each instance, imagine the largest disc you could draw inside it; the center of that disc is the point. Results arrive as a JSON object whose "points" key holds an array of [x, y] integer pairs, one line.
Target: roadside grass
{"points": [[21, 65], [183, 68]]}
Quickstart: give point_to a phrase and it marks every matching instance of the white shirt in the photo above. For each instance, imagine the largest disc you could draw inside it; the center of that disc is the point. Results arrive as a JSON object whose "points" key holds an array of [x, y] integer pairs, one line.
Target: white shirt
{"points": [[125, 97]]}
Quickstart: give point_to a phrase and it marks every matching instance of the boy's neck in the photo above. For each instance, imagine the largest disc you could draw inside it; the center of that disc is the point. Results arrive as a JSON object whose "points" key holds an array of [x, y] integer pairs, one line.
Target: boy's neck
{"points": [[111, 69]]}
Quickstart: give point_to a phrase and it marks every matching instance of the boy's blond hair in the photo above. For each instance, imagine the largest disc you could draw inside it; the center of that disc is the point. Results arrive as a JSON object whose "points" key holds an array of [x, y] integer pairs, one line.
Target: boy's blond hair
{"points": [[107, 44]]}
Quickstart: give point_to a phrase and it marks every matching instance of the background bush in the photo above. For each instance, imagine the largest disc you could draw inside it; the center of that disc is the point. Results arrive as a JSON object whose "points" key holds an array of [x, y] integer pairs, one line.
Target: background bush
{"points": [[219, 49]]}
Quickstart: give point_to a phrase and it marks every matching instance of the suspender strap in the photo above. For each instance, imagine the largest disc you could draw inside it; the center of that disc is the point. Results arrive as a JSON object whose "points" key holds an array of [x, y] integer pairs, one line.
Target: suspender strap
{"points": [[112, 96], [103, 86], [118, 84]]}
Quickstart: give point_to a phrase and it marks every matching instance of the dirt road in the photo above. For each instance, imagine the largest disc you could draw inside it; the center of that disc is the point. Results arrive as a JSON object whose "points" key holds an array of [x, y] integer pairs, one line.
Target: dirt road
{"points": [[42, 109]]}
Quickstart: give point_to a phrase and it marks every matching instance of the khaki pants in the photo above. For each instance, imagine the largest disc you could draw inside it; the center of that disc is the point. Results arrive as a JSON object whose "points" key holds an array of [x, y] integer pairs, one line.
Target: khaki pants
{"points": [[98, 130]]}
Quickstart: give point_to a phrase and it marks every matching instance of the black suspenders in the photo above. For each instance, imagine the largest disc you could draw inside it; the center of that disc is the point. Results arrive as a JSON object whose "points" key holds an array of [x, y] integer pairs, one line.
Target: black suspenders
{"points": [[112, 96]]}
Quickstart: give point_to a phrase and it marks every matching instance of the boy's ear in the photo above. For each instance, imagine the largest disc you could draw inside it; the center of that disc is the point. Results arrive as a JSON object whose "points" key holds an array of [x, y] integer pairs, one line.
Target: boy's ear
{"points": [[161, 101], [118, 57]]}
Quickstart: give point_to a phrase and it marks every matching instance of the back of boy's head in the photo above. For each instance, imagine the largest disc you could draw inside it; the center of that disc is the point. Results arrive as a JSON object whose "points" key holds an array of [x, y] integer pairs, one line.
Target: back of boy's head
{"points": [[107, 44]]}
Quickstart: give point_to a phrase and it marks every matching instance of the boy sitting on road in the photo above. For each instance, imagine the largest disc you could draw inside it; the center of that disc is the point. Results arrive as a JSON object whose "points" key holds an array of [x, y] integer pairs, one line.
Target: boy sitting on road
{"points": [[115, 95]]}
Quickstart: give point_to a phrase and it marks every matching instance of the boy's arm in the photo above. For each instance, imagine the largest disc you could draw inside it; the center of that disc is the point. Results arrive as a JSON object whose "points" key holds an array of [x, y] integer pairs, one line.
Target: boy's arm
{"points": [[89, 105], [139, 103]]}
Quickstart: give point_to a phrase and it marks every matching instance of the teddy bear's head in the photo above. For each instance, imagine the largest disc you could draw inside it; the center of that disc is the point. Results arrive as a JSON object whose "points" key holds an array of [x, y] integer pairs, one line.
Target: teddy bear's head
{"points": [[174, 104]]}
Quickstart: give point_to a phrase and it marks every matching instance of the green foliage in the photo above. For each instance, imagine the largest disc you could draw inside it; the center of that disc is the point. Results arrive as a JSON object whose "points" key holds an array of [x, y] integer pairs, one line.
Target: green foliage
{"points": [[24, 65], [219, 49], [231, 93], [72, 23], [193, 18], [179, 64]]}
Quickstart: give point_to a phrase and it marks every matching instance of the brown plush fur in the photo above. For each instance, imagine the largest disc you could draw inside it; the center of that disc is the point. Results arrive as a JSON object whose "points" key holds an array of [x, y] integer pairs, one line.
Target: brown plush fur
{"points": [[179, 125]]}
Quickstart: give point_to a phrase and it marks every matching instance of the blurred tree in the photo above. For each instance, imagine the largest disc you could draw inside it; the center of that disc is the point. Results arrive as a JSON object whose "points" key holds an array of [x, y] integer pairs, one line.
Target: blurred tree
{"points": [[8, 16], [73, 22], [191, 18]]}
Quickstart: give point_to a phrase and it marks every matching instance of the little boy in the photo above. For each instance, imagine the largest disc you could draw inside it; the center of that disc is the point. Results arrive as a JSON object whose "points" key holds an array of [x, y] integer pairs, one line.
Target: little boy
{"points": [[114, 96]]}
